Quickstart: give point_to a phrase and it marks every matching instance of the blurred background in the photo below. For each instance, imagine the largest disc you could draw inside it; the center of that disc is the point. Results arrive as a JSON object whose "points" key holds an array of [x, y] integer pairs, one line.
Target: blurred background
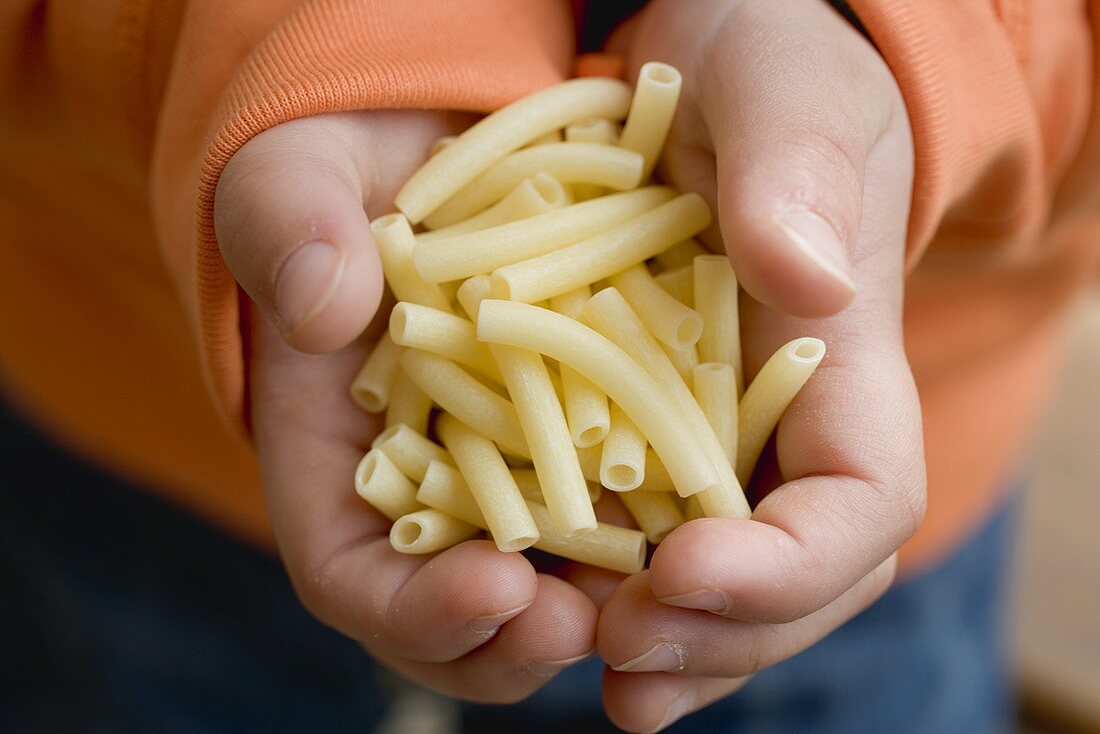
{"points": [[1057, 591]]}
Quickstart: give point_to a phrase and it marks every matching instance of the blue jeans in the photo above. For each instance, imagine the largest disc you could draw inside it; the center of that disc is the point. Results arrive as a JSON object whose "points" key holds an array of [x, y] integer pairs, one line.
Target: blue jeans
{"points": [[119, 613]]}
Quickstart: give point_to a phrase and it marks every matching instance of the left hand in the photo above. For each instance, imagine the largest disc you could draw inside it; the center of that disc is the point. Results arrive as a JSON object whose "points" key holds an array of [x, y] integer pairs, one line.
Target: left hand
{"points": [[794, 129]]}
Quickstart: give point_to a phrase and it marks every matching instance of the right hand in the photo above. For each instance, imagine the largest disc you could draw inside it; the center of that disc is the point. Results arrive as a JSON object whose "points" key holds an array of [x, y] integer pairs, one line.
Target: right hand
{"points": [[470, 622]]}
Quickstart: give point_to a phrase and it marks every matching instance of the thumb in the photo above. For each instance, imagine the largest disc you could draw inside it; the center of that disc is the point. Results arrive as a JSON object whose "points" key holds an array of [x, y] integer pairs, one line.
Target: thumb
{"points": [[792, 135], [291, 225]]}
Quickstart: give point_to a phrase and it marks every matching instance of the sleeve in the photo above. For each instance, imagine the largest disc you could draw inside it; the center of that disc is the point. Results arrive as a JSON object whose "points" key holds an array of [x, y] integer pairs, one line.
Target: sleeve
{"points": [[998, 94], [240, 68]]}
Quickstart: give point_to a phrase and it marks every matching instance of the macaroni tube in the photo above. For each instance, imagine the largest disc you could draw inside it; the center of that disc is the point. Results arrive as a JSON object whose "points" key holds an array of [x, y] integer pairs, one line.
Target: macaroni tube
{"points": [[651, 111], [410, 452], [608, 546], [506, 130], [408, 404], [381, 483], [536, 195], [373, 384], [438, 332], [569, 163], [429, 531], [468, 255], [488, 479], [395, 241], [457, 392], [604, 254], [586, 409], [771, 391]]}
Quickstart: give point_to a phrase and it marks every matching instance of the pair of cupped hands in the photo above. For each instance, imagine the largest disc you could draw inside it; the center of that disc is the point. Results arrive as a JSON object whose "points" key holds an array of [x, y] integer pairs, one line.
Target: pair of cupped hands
{"points": [[793, 129]]}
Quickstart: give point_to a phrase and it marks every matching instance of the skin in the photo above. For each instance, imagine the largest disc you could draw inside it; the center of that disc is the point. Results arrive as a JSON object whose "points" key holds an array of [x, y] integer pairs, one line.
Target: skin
{"points": [[794, 130]]}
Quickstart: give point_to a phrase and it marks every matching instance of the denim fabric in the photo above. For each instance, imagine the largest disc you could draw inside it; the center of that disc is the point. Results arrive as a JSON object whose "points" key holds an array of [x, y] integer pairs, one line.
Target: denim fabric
{"points": [[119, 613]]}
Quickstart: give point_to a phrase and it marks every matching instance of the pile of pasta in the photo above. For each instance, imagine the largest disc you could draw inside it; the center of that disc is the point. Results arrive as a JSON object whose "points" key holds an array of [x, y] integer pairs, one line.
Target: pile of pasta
{"points": [[560, 332]]}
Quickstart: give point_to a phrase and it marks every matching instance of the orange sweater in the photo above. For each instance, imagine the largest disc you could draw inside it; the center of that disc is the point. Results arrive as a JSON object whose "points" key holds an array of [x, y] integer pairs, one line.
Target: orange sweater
{"points": [[119, 325]]}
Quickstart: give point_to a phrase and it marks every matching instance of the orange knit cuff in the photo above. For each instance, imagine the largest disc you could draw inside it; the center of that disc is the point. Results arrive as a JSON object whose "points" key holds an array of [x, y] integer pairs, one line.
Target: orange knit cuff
{"points": [[978, 154]]}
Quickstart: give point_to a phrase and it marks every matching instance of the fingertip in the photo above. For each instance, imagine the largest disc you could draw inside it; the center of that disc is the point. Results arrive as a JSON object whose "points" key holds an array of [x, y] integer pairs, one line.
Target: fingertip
{"points": [[740, 569], [476, 581], [328, 310], [779, 266]]}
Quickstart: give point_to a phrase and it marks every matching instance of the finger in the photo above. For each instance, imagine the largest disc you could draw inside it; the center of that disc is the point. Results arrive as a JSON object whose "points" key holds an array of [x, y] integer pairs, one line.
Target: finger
{"points": [[290, 221], [651, 702], [336, 547], [638, 633], [558, 630], [791, 111]]}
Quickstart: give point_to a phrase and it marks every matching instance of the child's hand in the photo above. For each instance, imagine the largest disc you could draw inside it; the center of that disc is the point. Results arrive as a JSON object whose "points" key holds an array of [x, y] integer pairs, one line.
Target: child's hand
{"points": [[793, 127], [471, 622]]}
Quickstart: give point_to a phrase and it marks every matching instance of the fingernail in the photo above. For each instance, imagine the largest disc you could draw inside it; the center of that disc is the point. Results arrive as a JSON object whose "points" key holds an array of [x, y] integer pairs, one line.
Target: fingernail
{"points": [[818, 241], [548, 668], [708, 600], [680, 707], [306, 282], [663, 657], [490, 623]]}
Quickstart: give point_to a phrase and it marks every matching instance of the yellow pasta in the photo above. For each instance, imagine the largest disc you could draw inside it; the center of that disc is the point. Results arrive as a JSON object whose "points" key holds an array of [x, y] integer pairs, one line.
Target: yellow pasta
{"points": [[655, 512], [670, 321], [472, 292], [651, 111], [595, 130], [457, 392], [604, 254], [467, 255], [684, 360], [608, 546], [715, 388], [381, 483], [656, 476], [769, 394], [408, 404], [488, 479], [554, 136], [609, 314], [410, 452], [679, 283], [716, 299], [586, 409], [604, 165], [395, 241], [506, 130], [450, 336], [429, 531], [564, 490], [373, 384], [680, 254], [622, 458], [693, 509], [536, 195], [609, 367]]}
